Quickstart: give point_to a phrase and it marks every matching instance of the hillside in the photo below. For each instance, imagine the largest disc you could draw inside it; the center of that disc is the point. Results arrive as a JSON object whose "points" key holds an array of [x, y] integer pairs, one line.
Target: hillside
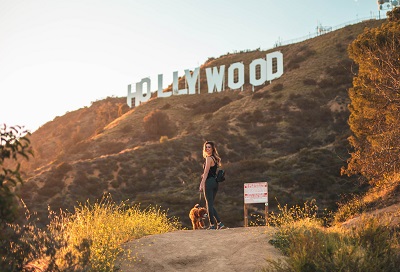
{"points": [[291, 133]]}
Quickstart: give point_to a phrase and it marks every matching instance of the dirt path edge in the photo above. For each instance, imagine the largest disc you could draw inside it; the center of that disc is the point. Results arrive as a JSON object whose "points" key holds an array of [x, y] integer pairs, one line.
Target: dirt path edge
{"points": [[235, 249]]}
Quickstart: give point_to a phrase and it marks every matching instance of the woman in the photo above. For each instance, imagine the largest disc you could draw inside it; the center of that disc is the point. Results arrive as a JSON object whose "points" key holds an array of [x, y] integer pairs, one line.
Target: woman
{"points": [[208, 183]]}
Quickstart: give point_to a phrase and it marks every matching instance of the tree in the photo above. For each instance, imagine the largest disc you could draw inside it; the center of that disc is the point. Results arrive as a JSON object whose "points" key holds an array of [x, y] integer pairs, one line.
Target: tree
{"points": [[375, 101], [14, 145]]}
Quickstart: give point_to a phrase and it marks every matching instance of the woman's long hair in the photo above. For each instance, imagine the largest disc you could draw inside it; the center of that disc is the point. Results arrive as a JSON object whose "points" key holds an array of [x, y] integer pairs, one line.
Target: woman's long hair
{"points": [[214, 152]]}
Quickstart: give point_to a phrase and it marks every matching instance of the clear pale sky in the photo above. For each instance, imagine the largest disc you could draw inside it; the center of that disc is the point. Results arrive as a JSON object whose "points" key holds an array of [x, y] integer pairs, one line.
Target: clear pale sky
{"points": [[60, 55]]}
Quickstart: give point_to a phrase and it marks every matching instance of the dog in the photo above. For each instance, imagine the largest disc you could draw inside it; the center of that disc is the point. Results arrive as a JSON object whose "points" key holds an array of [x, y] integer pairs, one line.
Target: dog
{"points": [[197, 215]]}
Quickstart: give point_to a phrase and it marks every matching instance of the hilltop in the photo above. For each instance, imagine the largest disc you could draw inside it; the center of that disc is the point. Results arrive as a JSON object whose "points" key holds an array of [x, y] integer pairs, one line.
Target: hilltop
{"points": [[291, 133]]}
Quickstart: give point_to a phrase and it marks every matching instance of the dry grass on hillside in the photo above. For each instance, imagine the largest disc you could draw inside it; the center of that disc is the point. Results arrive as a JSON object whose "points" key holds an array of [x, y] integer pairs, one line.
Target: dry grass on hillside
{"points": [[287, 133]]}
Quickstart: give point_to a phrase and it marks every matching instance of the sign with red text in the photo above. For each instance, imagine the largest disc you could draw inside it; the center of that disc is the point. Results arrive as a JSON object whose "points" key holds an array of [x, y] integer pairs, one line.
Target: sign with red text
{"points": [[256, 192]]}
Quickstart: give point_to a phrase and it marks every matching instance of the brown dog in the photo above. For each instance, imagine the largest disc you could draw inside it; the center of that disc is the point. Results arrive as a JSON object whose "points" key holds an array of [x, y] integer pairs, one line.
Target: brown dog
{"points": [[197, 215]]}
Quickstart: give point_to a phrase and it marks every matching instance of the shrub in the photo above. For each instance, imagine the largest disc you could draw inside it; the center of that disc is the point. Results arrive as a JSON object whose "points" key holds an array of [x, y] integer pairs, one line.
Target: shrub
{"points": [[208, 116], [63, 168], [288, 216], [14, 145], [204, 106], [301, 55], [88, 240], [373, 245], [292, 65], [325, 83], [111, 147], [309, 81], [349, 209], [305, 103], [166, 106], [127, 129], [339, 47], [25, 243], [277, 87], [157, 123], [51, 187], [163, 139], [115, 184], [98, 223], [251, 117], [260, 94]]}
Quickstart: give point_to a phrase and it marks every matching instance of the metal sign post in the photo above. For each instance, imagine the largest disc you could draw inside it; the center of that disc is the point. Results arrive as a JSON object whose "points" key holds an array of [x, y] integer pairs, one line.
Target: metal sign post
{"points": [[255, 193]]}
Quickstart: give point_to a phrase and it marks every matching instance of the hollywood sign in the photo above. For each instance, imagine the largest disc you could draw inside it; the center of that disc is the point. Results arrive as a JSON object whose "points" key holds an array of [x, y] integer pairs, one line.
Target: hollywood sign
{"points": [[260, 71]]}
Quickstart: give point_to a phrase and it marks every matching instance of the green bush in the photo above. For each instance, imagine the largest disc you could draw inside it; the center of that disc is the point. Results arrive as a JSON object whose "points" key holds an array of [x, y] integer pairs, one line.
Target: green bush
{"points": [[204, 106], [14, 145]]}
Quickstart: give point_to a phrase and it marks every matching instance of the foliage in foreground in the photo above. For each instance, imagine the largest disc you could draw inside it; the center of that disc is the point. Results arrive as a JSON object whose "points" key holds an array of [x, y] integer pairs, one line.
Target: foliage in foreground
{"points": [[372, 245], [14, 144], [375, 115], [90, 239]]}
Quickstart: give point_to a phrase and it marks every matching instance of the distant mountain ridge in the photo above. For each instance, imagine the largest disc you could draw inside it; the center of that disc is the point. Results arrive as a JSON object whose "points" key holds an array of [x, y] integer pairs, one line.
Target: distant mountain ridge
{"points": [[291, 133]]}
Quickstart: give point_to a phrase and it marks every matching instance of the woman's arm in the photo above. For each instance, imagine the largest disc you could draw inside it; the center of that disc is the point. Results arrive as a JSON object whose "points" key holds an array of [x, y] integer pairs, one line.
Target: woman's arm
{"points": [[205, 173]]}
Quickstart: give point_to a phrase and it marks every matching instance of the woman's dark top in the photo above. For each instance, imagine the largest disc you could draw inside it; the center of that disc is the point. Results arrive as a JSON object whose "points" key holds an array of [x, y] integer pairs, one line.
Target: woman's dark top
{"points": [[213, 169]]}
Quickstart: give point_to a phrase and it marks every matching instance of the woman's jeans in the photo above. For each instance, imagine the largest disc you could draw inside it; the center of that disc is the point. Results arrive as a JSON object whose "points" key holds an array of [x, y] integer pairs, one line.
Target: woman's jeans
{"points": [[209, 194]]}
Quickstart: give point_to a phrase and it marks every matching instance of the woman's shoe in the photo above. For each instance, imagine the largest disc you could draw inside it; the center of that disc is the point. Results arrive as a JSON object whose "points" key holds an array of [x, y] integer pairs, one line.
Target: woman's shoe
{"points": [[221, 226], [212, 228]]}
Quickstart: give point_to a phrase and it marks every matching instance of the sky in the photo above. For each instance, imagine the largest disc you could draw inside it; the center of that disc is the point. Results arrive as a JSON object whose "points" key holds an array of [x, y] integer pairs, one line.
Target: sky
{"points": [[57, 56]]}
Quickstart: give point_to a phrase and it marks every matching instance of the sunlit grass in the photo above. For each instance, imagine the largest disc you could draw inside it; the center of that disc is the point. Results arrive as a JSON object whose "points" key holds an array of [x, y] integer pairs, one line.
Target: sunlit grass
{"points": [[371, 245], [90, 238], [359, 204], [106, 225]]}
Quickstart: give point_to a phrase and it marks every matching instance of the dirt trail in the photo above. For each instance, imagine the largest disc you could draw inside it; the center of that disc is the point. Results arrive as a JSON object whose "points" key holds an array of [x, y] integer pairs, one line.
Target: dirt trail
{"points": [[236, 249]]}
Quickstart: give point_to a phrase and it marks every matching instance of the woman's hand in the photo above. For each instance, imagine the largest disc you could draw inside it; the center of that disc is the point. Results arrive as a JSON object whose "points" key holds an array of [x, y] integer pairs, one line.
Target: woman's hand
{"points": [[205, 174]]}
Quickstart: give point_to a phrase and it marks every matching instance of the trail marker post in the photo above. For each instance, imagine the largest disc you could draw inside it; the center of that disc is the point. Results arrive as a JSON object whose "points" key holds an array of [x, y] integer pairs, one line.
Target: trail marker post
{"points": [[256, 192]]}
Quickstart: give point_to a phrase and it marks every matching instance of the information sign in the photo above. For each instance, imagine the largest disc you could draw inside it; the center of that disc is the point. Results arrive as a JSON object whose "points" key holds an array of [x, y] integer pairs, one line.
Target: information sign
{"points": [[256, 192]]}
